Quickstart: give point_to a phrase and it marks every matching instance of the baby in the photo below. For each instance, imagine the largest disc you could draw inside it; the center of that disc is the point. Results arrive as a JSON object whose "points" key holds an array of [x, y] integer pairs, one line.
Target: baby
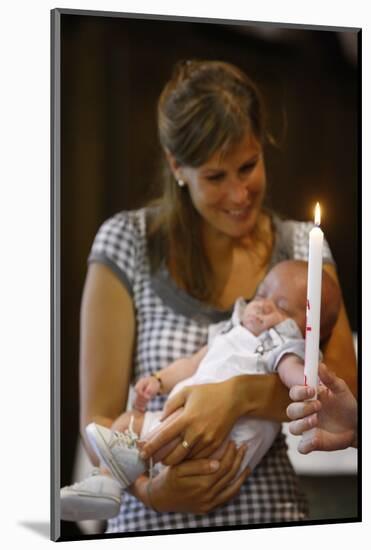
{"points": [[262, 336]]}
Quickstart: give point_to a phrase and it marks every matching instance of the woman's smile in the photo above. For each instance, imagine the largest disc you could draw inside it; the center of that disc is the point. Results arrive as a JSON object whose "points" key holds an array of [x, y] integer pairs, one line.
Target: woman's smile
{"points": [[238, 214]]}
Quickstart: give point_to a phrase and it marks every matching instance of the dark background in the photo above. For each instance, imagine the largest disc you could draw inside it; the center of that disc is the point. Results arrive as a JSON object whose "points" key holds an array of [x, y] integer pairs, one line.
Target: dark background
{"points": [[112, 72]]}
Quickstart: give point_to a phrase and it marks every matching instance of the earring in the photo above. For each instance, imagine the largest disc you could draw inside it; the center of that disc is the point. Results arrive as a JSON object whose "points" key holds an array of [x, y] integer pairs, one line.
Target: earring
{"points": [[181, 183]]}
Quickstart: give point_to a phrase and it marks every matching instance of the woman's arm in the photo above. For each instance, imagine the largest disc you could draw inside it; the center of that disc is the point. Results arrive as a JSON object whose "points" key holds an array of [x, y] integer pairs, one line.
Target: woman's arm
{"points": [[107, 332], [211, 410], [338, 350], [195, 486]]}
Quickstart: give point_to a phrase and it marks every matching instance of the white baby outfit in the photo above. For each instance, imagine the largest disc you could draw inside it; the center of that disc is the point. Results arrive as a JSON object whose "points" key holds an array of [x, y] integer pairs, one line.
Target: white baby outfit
{"points": [[233, 351]]}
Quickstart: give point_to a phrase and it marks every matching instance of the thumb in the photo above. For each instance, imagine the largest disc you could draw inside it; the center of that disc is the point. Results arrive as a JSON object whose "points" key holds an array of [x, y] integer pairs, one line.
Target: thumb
{"points": [[329, 379], [174, 403]]}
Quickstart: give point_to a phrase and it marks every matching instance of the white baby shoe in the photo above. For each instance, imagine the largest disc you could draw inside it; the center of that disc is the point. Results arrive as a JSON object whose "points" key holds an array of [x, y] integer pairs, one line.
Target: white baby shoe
{"points": [[118, 451], [96, 497]]}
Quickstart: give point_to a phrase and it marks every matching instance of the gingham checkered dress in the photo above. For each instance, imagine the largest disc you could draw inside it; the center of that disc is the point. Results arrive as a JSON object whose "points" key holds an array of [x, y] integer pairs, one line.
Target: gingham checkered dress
{"points": [[170, 324]]}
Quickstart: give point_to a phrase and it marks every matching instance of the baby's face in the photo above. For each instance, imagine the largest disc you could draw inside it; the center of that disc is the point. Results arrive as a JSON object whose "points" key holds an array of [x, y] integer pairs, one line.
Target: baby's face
{"points": [[262, 314], [284, 293]]}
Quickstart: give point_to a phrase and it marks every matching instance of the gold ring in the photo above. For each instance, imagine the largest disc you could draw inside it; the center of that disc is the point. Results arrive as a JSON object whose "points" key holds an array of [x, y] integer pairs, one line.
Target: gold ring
{"points": [[185, 444]]}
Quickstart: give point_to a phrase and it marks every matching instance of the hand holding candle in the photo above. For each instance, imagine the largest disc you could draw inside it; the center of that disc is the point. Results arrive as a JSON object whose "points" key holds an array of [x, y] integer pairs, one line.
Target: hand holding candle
{"points": [[314, 288]]}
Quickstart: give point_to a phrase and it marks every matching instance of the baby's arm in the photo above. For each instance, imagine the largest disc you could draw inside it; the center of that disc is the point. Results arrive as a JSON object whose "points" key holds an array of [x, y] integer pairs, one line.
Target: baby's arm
{"points": [[291, 370], [165, 379], [180, 370]]}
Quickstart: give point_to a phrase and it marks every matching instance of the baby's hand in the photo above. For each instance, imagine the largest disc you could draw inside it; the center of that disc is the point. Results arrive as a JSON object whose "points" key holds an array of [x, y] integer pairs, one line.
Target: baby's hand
{"points": [[146, 388]]}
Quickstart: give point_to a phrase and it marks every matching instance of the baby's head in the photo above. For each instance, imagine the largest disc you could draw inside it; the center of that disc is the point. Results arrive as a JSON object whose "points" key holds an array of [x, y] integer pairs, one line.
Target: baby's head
{"points": [[283, 294]]}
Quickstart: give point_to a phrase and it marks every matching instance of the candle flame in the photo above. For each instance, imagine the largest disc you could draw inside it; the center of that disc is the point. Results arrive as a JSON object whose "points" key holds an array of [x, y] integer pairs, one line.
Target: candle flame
{"points": [[317, 214]]}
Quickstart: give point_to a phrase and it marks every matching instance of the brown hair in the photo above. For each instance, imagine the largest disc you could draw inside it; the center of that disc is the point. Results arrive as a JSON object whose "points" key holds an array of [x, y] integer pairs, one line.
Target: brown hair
{"points": [[207, 106]]}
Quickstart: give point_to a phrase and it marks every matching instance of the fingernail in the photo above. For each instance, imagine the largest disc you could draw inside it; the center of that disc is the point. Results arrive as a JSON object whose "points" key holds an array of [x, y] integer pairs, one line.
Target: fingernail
{"points": [[313, 419], [214, 465]]}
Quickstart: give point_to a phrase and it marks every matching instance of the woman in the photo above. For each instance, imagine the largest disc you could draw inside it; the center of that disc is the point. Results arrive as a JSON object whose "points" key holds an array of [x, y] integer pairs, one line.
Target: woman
{"points": [[160, 275]]}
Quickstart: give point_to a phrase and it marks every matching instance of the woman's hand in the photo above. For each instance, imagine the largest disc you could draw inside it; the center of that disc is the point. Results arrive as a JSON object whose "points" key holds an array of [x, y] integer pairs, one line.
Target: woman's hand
{"points": [[209, 412], [196, 486], [333, 414]]}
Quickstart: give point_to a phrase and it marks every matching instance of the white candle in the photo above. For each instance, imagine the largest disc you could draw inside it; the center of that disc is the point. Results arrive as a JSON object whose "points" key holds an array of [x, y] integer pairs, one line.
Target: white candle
{"points": [[312, 335]]}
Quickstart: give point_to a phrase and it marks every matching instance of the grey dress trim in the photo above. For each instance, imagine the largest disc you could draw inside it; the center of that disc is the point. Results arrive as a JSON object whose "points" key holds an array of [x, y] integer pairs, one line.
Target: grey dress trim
{"points": [[178, 299]]}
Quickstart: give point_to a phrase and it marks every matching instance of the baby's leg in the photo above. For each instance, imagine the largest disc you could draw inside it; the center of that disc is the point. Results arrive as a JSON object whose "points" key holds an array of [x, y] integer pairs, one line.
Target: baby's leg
{"points": [[154, 426], [103, 470], [122, 423]]}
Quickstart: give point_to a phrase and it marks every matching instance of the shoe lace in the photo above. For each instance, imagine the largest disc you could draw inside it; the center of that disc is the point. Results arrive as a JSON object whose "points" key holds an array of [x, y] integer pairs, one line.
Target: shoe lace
{"points": [[128, 438]]}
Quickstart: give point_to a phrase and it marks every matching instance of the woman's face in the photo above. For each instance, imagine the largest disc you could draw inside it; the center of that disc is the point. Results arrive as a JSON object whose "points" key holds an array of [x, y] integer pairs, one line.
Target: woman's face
{"points": [[227, 190]]}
